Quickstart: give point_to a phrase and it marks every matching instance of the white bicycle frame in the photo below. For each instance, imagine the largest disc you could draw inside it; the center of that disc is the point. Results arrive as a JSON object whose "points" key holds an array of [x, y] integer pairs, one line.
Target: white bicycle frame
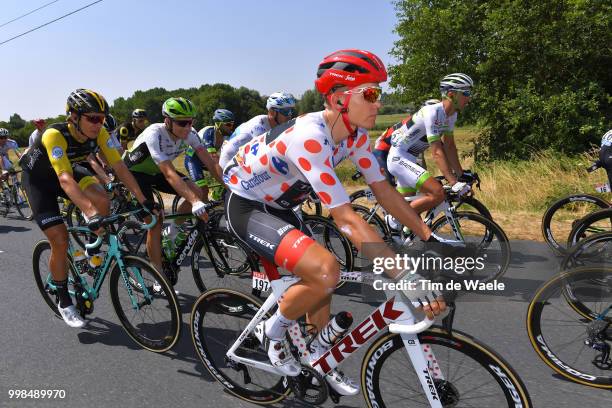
{"points": [[393, 313], [443, 207]]}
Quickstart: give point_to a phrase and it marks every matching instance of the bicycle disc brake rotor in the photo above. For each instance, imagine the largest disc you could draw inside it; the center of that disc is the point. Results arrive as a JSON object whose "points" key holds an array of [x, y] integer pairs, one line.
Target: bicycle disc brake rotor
{"points": [[448, 393]]}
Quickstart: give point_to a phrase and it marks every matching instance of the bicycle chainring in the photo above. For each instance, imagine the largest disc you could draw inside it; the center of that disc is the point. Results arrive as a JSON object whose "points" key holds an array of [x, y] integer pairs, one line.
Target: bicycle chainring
{"points": [[309, 386]]}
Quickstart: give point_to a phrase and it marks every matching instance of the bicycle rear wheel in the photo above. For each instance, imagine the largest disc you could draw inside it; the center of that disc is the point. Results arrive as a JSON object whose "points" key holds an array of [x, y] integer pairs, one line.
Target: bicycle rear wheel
{"points": [[558, 330], [473, 374], [484, 238], [595, 250], [217, 319], [147, 307], [42, 274]]}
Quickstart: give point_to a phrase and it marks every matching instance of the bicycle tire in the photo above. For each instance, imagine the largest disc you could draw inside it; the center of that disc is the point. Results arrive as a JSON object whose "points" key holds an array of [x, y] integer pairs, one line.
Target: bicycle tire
{"points": [[47, 293], [474, 203], [21, 202], [164, 297], [594, 223], [228, 304], [556, 243], [595, 250], [361, 263], [218, 247], [333, 240], [550, 299], [505, 382], [492, 231]]}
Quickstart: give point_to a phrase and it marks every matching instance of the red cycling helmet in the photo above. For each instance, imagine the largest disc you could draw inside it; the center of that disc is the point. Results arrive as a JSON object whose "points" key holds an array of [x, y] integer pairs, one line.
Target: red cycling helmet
{"points": [[349, 68]]}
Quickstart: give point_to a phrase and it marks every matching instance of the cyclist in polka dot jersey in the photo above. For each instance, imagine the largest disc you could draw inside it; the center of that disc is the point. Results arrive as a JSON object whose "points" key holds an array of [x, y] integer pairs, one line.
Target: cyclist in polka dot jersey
{"points": [[276, 171]]}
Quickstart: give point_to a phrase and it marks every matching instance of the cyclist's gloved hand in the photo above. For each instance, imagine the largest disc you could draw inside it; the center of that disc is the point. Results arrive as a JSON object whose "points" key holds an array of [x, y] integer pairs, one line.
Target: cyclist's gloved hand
{"points": [[421, 295], [94, 223], [460, 188], [198, 208]]}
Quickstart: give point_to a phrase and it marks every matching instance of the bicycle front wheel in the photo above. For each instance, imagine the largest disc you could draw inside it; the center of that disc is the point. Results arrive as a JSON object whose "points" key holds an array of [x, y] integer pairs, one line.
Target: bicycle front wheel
{"points": [[220, 255], [217, 319], [467, 373], [562, 215], [484, 239], [145, 304], [574, 341], [594, 223]]}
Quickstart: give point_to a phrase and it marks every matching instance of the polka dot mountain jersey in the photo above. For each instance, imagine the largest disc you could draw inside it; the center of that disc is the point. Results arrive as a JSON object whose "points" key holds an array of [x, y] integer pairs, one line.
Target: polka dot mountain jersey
{"points": [[281, 167]]}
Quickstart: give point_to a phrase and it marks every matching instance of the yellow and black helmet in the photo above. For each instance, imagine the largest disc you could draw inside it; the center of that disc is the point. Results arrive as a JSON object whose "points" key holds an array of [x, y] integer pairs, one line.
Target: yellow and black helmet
{"points": [[86, 101]]}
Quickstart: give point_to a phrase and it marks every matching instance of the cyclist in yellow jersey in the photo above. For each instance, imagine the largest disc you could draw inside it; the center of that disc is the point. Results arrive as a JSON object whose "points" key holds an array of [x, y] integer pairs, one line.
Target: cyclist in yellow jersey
{"points": [[55, 165]]}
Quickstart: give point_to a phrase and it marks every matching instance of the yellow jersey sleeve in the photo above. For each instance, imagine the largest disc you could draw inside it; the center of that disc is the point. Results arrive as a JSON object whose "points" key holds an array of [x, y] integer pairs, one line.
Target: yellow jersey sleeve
{"points": [[108, 147], [55, 144]]}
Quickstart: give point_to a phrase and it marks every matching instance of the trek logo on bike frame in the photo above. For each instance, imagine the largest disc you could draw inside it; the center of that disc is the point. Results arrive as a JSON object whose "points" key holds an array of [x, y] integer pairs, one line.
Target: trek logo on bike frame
{"points": [[367, 329]]}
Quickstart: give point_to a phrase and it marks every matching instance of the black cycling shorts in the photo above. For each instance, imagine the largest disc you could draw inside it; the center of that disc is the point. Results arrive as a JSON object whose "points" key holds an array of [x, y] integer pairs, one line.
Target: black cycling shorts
{"points": [[605, 156], [262, 228], [43, 192], [148, 183]]}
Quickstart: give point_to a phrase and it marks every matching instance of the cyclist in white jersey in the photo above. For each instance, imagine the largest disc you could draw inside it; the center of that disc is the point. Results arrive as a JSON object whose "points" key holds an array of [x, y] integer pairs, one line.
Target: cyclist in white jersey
{"points": [[6, 145], [605, 154], [150, 161], [276, 171], [281, 108], [431, 126]]}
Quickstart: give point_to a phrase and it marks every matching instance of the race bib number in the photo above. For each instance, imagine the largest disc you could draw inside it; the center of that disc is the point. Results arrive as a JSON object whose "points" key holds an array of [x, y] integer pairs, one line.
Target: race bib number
{"points": [[260, 281], [603, 188]]}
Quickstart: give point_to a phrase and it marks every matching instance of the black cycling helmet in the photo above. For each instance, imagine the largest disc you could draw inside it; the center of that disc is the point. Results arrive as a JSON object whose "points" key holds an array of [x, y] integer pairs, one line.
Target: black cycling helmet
{"points": [[86, 101], [139, 113]]}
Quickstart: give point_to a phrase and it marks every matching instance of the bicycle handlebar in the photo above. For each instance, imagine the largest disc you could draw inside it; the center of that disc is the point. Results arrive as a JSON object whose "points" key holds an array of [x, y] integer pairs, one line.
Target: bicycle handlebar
{"points": [[595, 166], [411, 328], [106, 221]]}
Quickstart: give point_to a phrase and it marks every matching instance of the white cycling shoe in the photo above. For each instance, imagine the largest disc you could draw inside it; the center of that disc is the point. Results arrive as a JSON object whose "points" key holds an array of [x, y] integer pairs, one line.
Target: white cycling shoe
{"points": [[278, 353], [71, 316], [336, 379]]}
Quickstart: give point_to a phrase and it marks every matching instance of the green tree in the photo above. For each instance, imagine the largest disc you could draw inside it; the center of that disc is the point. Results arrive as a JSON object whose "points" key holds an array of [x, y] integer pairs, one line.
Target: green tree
{"points": [[311, 101], [542, 69]]}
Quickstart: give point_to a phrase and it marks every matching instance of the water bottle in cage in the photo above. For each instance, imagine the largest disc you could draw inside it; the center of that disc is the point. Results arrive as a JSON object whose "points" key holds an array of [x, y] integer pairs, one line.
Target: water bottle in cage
{"points": [[335, 329]]}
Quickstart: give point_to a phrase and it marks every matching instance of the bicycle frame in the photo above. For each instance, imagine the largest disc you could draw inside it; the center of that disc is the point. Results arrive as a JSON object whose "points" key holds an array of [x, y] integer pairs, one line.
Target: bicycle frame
{"points": [[444, 207], [113, 254], [393, 313]]}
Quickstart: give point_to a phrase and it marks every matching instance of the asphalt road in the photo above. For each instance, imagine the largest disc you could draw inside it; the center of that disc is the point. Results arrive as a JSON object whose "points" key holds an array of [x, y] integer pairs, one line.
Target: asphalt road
{"points": [[100, 366]]}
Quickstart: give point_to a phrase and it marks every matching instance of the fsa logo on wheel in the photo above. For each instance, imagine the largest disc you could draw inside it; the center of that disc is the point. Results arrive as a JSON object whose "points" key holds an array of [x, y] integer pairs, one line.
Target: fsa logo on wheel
{"points": [[57, 152]]}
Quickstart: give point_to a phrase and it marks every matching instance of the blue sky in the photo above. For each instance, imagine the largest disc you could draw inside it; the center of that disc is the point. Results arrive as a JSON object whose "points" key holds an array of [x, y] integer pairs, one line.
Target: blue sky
{"points": [[119, 46]]}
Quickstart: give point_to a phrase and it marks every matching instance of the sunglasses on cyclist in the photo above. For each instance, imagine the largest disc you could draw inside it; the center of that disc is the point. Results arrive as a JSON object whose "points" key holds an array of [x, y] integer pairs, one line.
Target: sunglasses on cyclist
{"points": [[288, 112], [462, 92], [96, 120], [183, 123], [371, 94]]}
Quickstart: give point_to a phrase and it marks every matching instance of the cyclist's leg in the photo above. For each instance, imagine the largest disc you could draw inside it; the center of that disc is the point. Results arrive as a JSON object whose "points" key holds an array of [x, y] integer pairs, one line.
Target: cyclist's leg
{"points": [[146, 183], [412, 178], [89, 184], [605, 155], [276, 236]]}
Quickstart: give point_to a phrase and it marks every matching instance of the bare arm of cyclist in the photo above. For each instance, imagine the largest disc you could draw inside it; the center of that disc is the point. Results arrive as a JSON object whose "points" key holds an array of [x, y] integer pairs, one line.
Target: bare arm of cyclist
{"points": [[394, 202], [450, 148], [178, 184], [440, 157], [97, 168]]}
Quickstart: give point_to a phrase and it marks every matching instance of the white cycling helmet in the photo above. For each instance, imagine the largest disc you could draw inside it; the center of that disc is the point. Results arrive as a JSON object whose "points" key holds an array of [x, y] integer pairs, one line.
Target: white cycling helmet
{"points": [[606, 140], [4, 132], [280, 100], [456, 82]]}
